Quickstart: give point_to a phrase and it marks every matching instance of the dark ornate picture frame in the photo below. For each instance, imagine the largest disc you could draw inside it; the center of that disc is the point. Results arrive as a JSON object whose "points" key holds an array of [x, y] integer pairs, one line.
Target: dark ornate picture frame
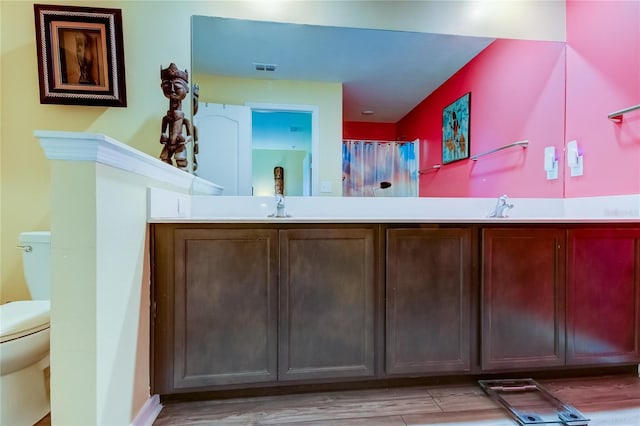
{"points": [[455, 129], [80, 55]]}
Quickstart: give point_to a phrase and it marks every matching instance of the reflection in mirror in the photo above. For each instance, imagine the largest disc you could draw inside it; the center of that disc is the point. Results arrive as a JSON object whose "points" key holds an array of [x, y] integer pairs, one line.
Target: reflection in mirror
{"points": [[336, 69], [380, 169], [281, 138]]}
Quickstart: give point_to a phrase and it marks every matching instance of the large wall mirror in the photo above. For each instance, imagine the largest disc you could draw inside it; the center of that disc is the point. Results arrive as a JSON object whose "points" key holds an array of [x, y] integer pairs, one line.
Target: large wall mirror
{"points": [[277, 94], [295, 84]]}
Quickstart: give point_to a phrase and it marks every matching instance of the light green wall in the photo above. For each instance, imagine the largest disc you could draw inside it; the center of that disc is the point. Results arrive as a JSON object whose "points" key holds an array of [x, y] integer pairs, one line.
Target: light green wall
{"points": [[264, 160]]}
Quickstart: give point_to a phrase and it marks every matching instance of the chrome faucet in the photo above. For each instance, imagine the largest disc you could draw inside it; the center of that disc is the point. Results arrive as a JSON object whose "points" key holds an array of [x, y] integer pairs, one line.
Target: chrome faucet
{"points": [[501, 207], [279, 206], [278, 177]]}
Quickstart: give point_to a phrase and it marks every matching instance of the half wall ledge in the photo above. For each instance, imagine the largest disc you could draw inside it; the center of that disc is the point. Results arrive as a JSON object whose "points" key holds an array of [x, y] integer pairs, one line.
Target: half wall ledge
{"points": [[102, 149]]}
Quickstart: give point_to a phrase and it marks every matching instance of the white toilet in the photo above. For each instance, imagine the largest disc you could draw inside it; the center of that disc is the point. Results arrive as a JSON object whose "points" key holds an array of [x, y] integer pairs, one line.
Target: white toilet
{"points": [[24, 339]]}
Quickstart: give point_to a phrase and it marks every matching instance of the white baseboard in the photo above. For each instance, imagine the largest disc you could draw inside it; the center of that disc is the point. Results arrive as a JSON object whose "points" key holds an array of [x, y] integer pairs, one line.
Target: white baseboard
{"points": [[149, 412]]}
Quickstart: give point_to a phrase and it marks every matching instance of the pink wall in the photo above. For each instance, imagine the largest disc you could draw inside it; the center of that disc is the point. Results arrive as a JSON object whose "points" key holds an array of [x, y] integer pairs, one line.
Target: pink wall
{"points": [[517, 93], [603, 76], [358, 130]]}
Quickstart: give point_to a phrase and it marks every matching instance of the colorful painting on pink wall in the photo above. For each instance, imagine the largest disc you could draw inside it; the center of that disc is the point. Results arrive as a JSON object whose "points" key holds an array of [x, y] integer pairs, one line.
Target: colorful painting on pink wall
{"points": [[455, 130]]}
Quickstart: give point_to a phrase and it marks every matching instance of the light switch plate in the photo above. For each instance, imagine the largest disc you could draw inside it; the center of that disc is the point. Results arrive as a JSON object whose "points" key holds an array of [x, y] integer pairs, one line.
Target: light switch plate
{"points": [[550, 163], [578, 170], [325, 187], [574, 159]]}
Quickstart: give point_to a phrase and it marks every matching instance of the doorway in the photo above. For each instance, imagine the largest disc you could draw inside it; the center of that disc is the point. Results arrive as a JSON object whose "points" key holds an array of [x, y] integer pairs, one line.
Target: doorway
{"points": [[281, 138], [239, 145], [284, 135]]}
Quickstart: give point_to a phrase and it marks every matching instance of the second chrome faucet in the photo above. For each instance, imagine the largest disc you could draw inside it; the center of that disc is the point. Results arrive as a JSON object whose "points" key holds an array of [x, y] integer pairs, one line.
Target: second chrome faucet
{"points": [[501, 207]]}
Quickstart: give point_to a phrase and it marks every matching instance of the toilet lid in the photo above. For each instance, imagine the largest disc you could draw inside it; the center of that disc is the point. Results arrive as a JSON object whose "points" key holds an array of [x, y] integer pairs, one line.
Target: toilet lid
{"points": [[23, 317]]}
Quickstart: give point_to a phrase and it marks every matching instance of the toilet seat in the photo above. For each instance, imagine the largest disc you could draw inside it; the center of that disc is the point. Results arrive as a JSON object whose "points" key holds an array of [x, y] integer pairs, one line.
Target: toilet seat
{"points": [[21, 318]]}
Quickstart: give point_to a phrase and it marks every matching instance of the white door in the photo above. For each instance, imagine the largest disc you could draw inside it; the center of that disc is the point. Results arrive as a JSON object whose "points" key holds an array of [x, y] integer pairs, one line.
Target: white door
{"points": [[224, 146], [306, 175]]}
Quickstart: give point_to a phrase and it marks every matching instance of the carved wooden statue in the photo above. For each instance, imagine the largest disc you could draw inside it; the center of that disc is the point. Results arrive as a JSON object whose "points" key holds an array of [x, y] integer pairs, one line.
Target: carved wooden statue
{"points": [[195, 96], [175, 86]]}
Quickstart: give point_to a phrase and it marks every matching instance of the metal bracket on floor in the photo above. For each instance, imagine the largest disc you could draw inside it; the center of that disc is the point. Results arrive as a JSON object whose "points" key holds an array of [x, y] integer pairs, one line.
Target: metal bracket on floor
{"points": [[531, 404]]}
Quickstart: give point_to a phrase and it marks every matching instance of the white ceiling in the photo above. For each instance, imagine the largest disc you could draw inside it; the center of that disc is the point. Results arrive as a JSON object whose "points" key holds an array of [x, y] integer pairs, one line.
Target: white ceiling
{"points": [[389, 72]]}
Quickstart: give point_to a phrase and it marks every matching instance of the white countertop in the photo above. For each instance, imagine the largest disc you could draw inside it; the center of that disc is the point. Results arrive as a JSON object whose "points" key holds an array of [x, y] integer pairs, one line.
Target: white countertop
{"points": [[169, 207]]}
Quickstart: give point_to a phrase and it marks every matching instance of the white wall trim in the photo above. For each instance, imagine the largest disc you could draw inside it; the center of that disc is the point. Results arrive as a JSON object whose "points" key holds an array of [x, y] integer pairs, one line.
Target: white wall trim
{"points": [[149, 412], [99, 148]]}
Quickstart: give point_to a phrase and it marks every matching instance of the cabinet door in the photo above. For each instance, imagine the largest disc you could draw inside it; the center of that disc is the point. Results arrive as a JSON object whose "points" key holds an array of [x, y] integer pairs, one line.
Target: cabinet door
{"points": [[522, 298], [603, 296], [326, 327], [428, 300], [218, 310]]}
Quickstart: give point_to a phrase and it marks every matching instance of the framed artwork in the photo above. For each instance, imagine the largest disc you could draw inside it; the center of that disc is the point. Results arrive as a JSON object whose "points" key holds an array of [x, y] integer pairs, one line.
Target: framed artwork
{"points": [[455, 130], [80, 55]]}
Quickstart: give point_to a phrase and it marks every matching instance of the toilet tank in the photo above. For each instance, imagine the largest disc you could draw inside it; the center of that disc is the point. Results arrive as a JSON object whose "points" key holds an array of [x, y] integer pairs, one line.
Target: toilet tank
{"points": [[36, 263]]}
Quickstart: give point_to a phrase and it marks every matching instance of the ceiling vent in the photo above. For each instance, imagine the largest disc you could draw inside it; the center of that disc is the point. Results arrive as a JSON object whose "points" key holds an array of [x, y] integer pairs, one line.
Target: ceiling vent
{"points": [[264, 67]]}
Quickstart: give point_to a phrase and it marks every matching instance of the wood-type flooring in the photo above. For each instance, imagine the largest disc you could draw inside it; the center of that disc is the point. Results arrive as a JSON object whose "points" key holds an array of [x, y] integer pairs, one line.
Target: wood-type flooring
{"points": [[455, 404]]}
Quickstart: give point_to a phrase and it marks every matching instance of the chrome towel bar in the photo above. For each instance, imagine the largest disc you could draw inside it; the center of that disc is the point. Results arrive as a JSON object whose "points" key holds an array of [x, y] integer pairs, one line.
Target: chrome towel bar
{"points": [[523, 144], [617, 116], [435, 167]]}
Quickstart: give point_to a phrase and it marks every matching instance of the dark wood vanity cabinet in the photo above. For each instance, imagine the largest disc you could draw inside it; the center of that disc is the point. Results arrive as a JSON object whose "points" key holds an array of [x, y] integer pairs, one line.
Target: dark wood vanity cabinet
{"points": [[327, 304], [250, 305], [603, 296], [264, 305], [429, 300], [215, 296], [522, 301]]}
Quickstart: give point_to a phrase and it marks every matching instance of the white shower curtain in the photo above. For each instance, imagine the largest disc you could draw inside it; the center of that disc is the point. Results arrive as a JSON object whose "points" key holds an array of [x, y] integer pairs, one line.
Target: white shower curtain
{"points": [[368, 167]]}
